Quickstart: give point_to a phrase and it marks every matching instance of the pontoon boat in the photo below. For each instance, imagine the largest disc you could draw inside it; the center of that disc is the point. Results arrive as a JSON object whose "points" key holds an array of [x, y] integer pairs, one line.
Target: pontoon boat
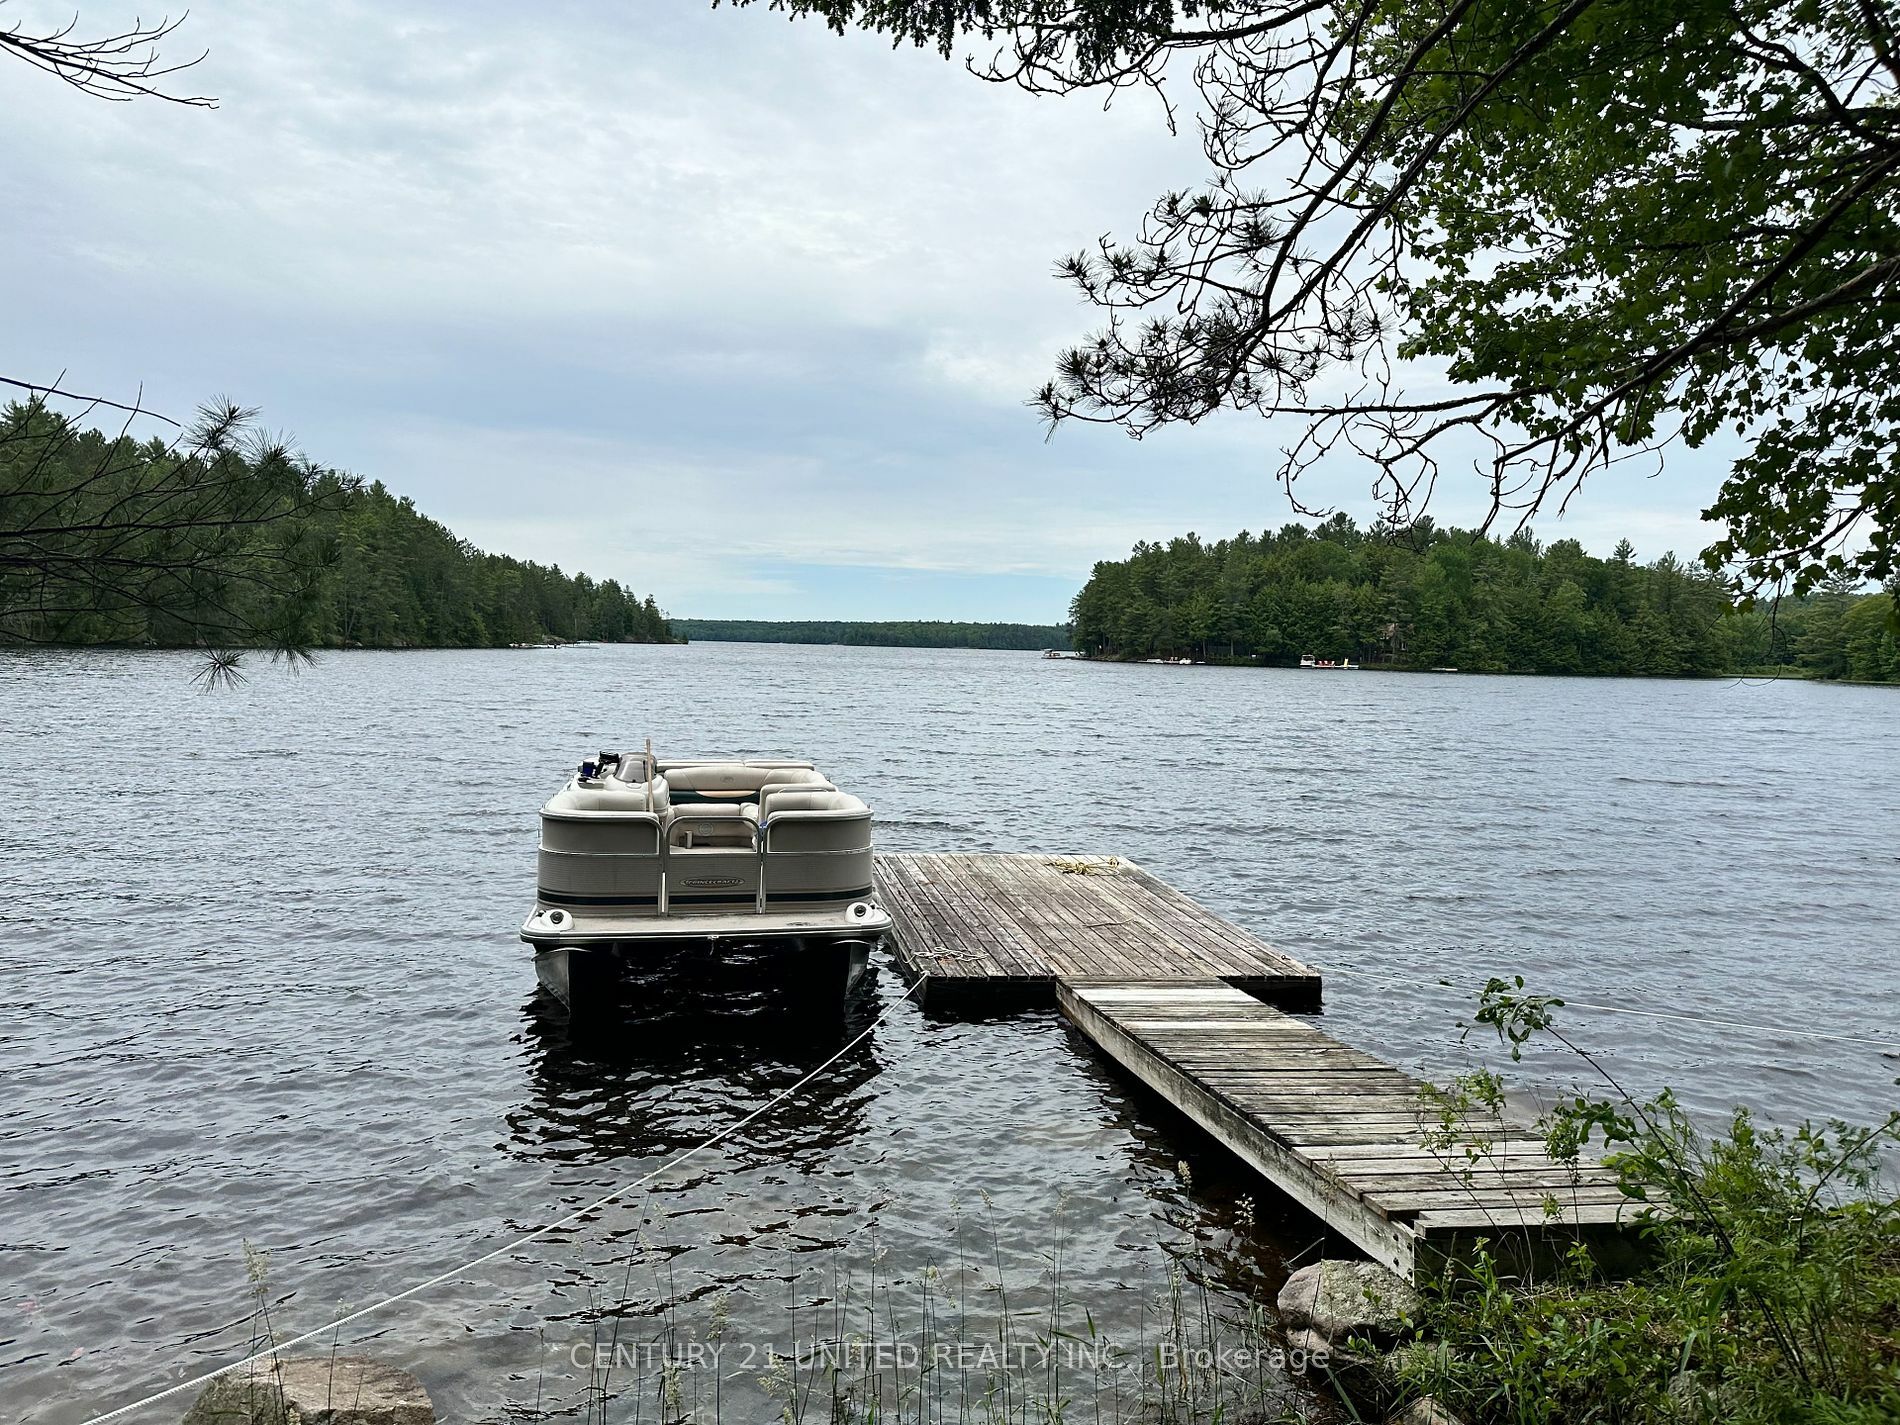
{"points": [[639, 854]]}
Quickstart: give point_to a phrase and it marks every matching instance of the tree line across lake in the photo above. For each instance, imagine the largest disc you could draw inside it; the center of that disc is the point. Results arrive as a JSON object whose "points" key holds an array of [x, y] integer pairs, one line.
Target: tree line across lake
{"points": [[222, 538], [1446, 598], [401, 578], [226, 539], [902, 633]]}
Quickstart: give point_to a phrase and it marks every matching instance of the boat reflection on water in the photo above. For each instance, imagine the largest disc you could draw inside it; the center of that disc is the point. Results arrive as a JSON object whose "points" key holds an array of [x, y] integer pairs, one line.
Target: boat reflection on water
{"points": [[697, 1045]]}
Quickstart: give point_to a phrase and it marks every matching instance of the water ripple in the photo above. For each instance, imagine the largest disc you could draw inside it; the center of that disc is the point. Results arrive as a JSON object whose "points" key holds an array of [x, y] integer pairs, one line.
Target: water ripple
{"points": [[260, 981]]}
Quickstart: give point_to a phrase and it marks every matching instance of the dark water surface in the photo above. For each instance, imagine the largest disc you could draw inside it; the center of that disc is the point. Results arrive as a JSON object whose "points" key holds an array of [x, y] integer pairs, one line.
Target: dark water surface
{"points": [[259, 981]]}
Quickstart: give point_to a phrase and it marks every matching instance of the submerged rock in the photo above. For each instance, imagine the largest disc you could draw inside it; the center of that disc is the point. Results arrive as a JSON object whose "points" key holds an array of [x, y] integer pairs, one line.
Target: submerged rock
{"points": [[1339, 1300], [315, 1390]]}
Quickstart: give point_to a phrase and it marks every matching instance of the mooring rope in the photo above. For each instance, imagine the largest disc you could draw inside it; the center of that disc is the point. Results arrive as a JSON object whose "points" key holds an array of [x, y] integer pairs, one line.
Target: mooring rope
{"points": [[279, 1347]]}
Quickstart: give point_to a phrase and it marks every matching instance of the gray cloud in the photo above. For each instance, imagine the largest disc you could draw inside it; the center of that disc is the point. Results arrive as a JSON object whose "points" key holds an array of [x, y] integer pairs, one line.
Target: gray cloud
{"points": [[590, 282]]}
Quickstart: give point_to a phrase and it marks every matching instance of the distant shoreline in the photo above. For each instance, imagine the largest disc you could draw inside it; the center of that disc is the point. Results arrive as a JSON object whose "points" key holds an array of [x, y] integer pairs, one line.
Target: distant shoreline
{"points": [[876, 633], [132, 646], [1785, 673], [1789, 672]]}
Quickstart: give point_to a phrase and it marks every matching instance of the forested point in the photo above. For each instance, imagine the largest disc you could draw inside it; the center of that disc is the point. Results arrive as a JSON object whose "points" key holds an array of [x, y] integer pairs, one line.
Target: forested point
{"points": [[1445, 598], [108, 540], [402, 580], [926, 633]]}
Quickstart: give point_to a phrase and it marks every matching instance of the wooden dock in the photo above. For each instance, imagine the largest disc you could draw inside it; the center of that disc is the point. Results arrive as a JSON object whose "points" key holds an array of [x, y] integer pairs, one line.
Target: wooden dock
{"points": [[1009, 927], [1352, 1139], [1180, 999]]}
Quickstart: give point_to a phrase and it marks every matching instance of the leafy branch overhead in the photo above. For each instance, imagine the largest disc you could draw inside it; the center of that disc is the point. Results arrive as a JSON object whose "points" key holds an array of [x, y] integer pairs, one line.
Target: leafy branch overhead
{"points": [[1612, 224]]}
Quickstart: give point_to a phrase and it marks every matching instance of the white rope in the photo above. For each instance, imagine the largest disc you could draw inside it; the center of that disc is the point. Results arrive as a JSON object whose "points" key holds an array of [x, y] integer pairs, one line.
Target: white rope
{"points": [[279, 1347], [1891, 1046]]}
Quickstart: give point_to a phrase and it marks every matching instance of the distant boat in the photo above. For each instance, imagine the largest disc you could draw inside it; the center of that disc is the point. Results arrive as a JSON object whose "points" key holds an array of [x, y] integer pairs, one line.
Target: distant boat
{"points": [[1344, 665]]}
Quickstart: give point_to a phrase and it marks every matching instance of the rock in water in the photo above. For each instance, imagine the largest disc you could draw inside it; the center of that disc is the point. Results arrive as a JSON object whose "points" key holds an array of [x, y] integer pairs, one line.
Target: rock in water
{"points": [[315, 1390], [1344, 1299], [248, 1398]]}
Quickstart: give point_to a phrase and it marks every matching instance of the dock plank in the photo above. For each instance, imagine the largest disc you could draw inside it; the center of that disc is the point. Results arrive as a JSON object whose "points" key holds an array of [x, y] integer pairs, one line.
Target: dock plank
{"points": [[983, 926], [1347, 1136]]}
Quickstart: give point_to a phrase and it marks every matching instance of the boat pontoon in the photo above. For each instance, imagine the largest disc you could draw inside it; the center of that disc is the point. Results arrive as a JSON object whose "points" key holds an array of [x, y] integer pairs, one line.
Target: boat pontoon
{"points": [[639, 852]]}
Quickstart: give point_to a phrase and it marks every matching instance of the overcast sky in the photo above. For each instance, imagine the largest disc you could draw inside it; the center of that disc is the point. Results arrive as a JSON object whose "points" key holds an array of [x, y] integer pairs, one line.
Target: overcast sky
{"points": [[734, 310]]}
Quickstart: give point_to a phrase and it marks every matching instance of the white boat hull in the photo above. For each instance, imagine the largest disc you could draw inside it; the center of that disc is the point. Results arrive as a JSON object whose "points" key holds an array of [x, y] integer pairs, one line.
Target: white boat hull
{"points": [[540, 930]]}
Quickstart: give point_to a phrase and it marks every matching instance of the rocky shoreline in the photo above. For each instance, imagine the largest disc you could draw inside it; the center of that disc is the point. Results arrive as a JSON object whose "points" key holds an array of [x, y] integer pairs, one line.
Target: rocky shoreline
{"points": [[1351, 1319]]}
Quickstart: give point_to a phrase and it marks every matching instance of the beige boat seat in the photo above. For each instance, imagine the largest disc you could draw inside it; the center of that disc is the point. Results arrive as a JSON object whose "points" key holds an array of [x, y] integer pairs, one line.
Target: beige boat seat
{"points": [[632, 786], [710, 824], [773, 796], [793, 777], [628, 769], [809, 821], [717, 781], [807, 799], [609, 796]]}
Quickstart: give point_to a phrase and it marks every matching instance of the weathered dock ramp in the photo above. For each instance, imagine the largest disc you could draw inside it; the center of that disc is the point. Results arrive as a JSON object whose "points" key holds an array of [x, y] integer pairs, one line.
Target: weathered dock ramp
{"points": [[1344, 1134], [990, 927]]}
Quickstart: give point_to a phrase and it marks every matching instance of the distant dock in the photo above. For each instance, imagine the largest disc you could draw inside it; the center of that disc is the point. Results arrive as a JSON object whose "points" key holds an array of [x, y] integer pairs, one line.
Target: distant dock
{"points": [[1185, 1002]]}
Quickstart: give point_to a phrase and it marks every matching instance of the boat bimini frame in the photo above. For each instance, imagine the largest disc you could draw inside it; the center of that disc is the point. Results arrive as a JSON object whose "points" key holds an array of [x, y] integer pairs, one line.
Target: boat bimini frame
{"points": [[639, 849]]}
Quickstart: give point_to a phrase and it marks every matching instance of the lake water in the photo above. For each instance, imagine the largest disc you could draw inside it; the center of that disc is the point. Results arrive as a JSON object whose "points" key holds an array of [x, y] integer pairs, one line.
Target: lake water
{"points": [[260, 983]]}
